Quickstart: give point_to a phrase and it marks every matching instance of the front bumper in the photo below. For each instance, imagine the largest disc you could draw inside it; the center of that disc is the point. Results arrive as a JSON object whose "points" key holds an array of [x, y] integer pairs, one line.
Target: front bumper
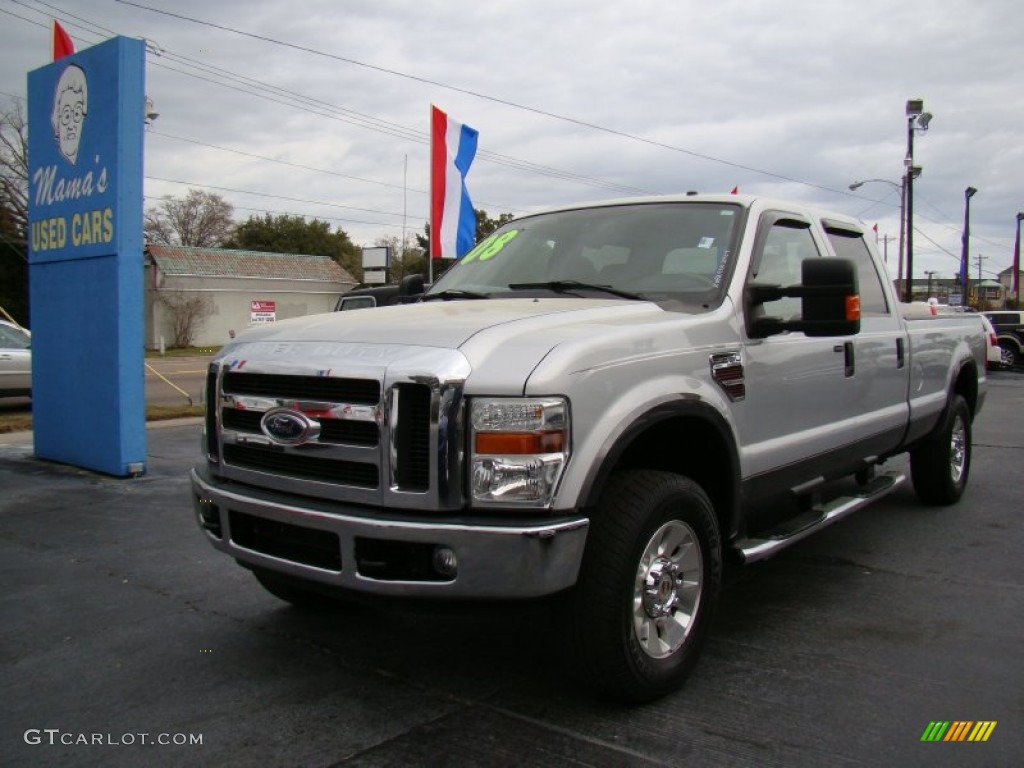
{"points": [[354, 548]]}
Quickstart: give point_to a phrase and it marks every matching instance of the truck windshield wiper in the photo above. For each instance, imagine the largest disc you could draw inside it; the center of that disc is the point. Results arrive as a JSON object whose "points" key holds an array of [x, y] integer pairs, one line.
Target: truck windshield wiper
{"points": [[455, 294], [568, 286]]}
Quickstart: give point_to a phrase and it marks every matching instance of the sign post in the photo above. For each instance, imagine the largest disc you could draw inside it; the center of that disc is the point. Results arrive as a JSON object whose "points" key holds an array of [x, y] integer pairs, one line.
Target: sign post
{"points": [[85, 257]]}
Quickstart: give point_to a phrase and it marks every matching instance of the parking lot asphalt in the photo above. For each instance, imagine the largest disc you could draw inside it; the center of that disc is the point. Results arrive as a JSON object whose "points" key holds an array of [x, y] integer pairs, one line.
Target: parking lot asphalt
{"points": [[120, 627]]}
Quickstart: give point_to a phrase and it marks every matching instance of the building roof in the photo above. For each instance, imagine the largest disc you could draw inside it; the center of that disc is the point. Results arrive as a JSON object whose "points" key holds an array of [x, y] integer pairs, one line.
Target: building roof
{"points": [[184, 260]]}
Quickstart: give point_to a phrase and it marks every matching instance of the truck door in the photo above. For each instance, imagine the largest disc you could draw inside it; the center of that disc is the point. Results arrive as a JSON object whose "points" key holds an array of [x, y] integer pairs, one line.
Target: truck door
{"points": [[876, 406], [793, 422]]}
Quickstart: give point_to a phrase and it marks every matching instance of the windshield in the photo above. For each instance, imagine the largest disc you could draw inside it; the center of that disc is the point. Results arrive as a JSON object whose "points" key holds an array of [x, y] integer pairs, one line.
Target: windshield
{"points": [[663, 252], [13, 338]]}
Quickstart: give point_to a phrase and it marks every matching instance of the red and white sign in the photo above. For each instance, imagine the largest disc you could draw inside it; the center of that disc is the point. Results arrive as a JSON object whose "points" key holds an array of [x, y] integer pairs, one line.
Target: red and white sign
{"points": [[262, 312]]}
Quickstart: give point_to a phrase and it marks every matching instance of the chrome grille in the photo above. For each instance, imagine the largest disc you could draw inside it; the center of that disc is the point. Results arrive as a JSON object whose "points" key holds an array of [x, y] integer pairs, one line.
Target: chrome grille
{"points": [[390, 430], [331, 430], [361, 391], [297, 465]]}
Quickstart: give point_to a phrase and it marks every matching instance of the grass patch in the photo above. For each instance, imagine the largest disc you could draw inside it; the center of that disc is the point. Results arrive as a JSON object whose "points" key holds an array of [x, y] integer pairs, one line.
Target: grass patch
{"points": [[183, 352], [22, 422]]}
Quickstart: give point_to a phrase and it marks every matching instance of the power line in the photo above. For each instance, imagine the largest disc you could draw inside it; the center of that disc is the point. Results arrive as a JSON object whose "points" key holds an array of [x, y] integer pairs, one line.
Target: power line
{"points": [[379, 125], [152, 132], [486, 97], [319, 218], [276, 197], [244, 84], [29, 21], [421, 137]]}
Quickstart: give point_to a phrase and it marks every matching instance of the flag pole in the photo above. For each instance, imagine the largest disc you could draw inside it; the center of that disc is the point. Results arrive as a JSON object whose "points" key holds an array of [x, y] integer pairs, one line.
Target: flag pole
{"points": [[430, 216]]}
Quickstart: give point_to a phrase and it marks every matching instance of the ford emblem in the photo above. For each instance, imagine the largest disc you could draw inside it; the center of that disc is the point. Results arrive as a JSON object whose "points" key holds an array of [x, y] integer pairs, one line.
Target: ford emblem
{"points": [[289, 427]]}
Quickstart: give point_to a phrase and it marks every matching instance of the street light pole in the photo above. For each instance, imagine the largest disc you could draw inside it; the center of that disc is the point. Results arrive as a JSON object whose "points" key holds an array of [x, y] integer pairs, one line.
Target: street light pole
{"points": [[966, 240], [917, 120], [903, 223], [902, 188], [1015, 279]]}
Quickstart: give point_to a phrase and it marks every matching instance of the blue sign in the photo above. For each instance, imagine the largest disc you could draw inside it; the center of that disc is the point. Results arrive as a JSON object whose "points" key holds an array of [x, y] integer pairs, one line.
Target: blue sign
{"points": [[85, 257]]}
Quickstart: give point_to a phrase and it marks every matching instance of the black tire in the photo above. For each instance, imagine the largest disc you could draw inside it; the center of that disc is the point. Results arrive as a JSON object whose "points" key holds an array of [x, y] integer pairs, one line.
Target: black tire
{"points": [[292, 590], [1008, 354], [612, 641], [941, 464]]}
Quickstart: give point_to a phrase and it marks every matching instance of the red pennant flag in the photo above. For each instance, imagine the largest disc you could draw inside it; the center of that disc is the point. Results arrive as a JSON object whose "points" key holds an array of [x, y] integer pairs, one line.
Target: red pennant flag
{"points": [[735, 190], [62, 45]]}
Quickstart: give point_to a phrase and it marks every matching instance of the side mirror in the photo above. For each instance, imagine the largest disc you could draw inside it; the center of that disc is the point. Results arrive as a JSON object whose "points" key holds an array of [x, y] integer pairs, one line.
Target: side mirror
{"points": [[829, 301], [831, 304]]}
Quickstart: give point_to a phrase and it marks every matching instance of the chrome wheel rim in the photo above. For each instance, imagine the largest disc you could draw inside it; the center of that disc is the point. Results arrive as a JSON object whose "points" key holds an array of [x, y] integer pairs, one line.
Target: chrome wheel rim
{"points": [[667, 590], [958, 450]]}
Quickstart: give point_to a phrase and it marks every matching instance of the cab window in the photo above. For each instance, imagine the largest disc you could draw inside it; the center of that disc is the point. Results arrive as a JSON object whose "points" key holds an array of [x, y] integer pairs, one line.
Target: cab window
{"points": [[357, 302], [784, 247], [850, 245]]}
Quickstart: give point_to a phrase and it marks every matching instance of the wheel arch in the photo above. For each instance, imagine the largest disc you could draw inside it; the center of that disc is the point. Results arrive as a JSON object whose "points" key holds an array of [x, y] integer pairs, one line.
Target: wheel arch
{"points": [[965, 383], [1012, 339], [688, 438]]}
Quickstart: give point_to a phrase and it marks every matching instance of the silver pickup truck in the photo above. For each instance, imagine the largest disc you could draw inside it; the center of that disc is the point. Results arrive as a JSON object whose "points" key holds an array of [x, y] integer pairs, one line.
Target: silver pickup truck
{"points": [[598, 404]]}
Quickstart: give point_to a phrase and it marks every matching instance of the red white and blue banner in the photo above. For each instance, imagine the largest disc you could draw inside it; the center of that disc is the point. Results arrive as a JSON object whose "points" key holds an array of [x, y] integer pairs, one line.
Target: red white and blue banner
{"points": [[452, 221]]}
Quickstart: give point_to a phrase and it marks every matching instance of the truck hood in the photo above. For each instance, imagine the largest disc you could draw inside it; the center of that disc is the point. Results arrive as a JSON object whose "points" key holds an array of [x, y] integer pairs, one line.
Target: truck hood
{"points": [[448, 324], [502, 339]]}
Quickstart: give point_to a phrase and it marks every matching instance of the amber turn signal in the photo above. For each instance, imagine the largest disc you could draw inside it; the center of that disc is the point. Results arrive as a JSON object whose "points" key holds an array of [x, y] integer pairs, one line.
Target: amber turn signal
{"points": [[853, 307], [519, 443]]}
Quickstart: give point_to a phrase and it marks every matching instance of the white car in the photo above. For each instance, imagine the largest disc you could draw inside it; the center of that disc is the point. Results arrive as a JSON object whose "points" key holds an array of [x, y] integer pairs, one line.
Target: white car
{"points": [[993, 354], [15, 360]]}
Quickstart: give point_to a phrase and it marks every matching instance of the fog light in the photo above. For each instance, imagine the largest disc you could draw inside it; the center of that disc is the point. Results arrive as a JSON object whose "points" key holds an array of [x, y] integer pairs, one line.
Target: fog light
{"points": [[445, 561]]}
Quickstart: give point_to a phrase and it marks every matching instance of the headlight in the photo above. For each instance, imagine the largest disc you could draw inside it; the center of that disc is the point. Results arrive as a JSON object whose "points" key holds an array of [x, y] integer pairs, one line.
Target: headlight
{"points": [[519, 448]]}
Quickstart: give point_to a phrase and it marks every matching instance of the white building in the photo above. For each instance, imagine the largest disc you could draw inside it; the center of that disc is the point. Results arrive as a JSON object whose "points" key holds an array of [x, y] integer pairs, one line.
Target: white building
{"points": [[238, 288]]}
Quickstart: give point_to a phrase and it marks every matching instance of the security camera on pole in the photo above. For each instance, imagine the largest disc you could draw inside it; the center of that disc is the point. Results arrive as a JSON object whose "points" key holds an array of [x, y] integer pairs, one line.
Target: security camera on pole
{"points": [[917, 120]]}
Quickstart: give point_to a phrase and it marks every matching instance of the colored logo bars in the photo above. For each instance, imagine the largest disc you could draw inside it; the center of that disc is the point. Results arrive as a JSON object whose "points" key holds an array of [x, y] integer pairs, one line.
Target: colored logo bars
{"points": [[958, 730]]}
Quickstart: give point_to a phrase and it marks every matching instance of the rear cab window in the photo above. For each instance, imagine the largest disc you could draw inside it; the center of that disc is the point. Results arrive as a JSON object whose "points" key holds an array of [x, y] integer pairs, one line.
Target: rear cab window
{"points": [[848, 243]]}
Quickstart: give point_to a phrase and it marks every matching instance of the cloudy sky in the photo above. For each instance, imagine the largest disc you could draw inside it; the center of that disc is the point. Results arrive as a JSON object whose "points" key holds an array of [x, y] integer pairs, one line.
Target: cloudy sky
{"points": [[320, 107]]}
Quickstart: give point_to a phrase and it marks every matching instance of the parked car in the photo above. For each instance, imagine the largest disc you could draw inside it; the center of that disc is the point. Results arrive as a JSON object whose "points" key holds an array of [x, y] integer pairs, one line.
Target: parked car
{"points": [[993, 352], [1009, 328], [405, 292], [15, 360]]}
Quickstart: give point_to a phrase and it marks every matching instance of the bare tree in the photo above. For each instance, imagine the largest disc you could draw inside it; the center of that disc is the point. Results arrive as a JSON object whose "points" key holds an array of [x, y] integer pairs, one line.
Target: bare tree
{"points": [[201, 219], [187, 315], [14, 167]]}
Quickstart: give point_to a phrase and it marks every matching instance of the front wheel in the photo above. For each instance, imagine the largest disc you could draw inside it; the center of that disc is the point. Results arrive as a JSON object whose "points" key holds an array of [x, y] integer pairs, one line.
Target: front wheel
{"points": [[941, 464], [648, 584]]}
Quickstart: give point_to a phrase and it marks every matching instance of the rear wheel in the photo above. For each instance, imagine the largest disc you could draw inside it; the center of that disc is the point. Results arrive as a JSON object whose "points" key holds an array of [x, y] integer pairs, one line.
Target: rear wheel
{"points": [[940, 465], [1008, 355], [648, 584]]}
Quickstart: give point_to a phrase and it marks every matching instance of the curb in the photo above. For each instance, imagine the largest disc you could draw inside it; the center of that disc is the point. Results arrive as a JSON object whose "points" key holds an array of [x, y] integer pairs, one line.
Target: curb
{"points": [[26, 436]]}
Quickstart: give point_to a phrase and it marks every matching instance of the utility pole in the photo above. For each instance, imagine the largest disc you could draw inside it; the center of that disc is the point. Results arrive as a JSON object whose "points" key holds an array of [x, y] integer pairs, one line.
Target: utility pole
{"points": [[977, 289], [885, 247], [917, 120]]}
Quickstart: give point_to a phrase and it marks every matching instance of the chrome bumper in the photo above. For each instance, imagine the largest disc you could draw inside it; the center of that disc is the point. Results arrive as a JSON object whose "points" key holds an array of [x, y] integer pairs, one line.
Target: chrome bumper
{"points": [[529, 559]]}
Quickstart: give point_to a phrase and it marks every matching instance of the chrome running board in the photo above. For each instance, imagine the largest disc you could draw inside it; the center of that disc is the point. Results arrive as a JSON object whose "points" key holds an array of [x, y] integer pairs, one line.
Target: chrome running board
{"points": [[767, 544]]}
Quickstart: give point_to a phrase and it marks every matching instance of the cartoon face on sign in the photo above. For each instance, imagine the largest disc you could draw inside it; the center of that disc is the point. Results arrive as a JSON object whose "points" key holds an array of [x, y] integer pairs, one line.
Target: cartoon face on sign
{"points": [[70, 105]]}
